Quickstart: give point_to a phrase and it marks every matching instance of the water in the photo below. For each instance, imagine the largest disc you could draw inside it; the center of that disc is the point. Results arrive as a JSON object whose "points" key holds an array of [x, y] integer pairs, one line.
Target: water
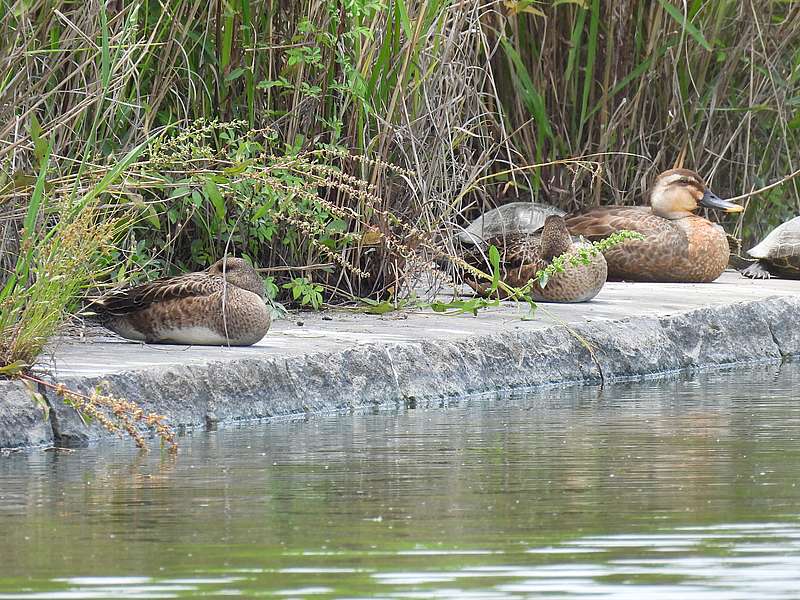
{"points": [[684, 488]]}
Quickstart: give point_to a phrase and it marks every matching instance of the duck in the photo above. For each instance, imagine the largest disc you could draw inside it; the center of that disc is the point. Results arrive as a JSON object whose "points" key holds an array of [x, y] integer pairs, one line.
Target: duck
{"points": [[679, 246], [523, 254], [223, 305]]}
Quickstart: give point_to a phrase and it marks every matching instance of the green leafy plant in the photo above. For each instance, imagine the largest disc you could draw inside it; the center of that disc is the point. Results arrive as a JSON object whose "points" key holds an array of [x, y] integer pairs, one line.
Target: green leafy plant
{"points": [[305, 292], [54, 267], [469, 305], [217, 188], [584, 255]]}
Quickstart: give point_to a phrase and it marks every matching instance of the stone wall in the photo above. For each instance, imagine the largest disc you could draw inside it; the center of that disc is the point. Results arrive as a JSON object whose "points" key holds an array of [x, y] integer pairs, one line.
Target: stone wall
{"points": [[421, 373]]}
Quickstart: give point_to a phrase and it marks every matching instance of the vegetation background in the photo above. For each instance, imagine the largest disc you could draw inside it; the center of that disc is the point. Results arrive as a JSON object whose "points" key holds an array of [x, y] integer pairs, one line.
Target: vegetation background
{"points": [[342, 142]]}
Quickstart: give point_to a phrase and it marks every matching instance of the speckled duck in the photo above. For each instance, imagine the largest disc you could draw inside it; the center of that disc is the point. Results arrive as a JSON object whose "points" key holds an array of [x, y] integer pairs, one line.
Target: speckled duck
{"points": [[679, 246], [523, 254], [223, 305]]}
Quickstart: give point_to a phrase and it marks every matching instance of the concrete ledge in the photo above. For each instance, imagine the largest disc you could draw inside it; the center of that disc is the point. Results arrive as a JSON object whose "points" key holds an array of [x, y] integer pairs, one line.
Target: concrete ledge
{"points": [[430, 371], [22, 422], [341, 361]]}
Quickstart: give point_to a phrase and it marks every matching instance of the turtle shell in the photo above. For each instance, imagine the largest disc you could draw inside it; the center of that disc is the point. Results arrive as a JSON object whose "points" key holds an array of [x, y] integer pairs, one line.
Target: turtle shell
{"points": [[516, 217], [781, 248]]}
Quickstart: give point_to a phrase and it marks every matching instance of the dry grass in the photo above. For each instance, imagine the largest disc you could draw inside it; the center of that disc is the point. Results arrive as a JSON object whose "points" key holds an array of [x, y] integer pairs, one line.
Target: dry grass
{"points": [[479, 102], [712, 86]]}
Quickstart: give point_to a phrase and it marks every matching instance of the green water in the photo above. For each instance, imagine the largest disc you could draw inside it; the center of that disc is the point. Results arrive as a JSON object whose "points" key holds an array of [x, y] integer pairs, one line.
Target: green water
{"points": [[680, 488]]}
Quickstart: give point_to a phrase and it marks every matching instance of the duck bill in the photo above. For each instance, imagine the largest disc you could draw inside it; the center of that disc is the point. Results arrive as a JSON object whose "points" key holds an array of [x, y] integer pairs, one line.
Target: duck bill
{"points": [[711, 200]]}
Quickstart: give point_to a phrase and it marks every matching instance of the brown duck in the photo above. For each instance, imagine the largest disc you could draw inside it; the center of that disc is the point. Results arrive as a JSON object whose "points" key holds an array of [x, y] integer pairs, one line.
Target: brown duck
{"points": [[679, 246], [223, 305], [522, 255]]}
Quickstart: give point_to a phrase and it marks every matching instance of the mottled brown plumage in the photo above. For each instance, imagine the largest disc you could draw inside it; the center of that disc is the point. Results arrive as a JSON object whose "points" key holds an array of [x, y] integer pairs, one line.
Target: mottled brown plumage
{"points": [[679, 246], [522, 255], [219, 306]]}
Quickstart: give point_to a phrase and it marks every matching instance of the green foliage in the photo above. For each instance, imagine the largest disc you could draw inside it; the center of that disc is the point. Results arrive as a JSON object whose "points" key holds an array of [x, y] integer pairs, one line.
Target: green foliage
{"points": [[471, 305], [585, 254], [494, 264], [52, 271], [305, 292], [455, 306], [220, 188], [229, 191]]}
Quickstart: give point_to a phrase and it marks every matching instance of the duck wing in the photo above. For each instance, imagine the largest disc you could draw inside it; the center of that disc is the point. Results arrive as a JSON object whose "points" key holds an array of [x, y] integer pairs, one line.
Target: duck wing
{"points": [[516, 250], [598, 223], [127, 300]]}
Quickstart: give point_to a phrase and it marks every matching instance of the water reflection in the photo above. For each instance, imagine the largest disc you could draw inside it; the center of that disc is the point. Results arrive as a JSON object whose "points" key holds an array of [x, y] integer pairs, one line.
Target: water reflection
{"points": [[684, 487]]}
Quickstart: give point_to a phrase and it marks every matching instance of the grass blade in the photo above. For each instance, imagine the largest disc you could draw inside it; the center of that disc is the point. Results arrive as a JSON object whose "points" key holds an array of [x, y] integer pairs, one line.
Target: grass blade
{"points": [[685, 24]]}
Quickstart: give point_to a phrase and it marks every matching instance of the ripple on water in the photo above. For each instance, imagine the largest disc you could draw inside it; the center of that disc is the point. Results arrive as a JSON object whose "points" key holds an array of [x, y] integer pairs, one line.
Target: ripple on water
{"points": [[680, 488]]}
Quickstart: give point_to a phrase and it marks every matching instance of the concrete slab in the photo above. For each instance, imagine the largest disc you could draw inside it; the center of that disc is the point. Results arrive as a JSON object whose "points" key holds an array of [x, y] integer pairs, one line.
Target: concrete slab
{"points": [[339, 330], [22, 422], [339, 360]]}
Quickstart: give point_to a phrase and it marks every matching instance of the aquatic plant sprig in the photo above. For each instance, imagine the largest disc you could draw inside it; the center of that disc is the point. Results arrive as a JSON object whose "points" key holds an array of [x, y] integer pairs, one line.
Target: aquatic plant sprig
{"points": [[585, 254], [559, 264], [114, 414]]}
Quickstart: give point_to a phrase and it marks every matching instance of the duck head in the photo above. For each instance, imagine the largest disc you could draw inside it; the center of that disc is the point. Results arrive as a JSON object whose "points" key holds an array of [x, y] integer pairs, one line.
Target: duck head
{"points": [[237, 272], [555, 237], [678, 193]]}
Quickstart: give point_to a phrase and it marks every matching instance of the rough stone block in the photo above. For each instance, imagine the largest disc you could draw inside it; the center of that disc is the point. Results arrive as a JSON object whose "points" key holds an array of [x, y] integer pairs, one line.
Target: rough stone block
{"points": [[22, 422]]}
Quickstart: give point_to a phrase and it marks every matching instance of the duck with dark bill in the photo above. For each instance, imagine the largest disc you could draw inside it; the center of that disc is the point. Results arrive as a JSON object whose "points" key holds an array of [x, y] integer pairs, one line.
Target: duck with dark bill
{"points": [[679, 245]]}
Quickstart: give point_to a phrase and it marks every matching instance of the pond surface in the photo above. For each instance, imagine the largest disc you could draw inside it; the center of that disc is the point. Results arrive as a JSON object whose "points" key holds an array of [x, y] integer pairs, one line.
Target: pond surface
{"points": [[680, 488]]}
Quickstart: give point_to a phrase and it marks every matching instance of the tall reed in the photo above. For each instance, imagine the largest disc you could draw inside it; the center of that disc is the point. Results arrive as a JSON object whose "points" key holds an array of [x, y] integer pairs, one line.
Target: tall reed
{"points": [[648, 85], [477, 102]]}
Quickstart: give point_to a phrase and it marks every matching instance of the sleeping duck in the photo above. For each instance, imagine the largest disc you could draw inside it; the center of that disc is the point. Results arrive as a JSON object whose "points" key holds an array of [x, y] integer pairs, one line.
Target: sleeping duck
{"points": [[679, 246], [523, 254], [223, 305]]}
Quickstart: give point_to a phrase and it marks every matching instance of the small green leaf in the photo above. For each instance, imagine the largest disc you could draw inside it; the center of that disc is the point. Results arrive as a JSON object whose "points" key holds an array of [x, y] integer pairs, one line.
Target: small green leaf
{"points": [[151, 214], [494, 262], [471, 306], [13, 368], [379, 308], [531, 310], [544, 278], [216, 199], [238, 169], [235, 74], [39, 143]]}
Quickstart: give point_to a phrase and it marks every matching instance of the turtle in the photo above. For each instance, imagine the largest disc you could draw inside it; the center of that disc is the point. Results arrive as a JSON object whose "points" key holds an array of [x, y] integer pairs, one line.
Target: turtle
{"points": [[512, 218], [778, 254]]}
